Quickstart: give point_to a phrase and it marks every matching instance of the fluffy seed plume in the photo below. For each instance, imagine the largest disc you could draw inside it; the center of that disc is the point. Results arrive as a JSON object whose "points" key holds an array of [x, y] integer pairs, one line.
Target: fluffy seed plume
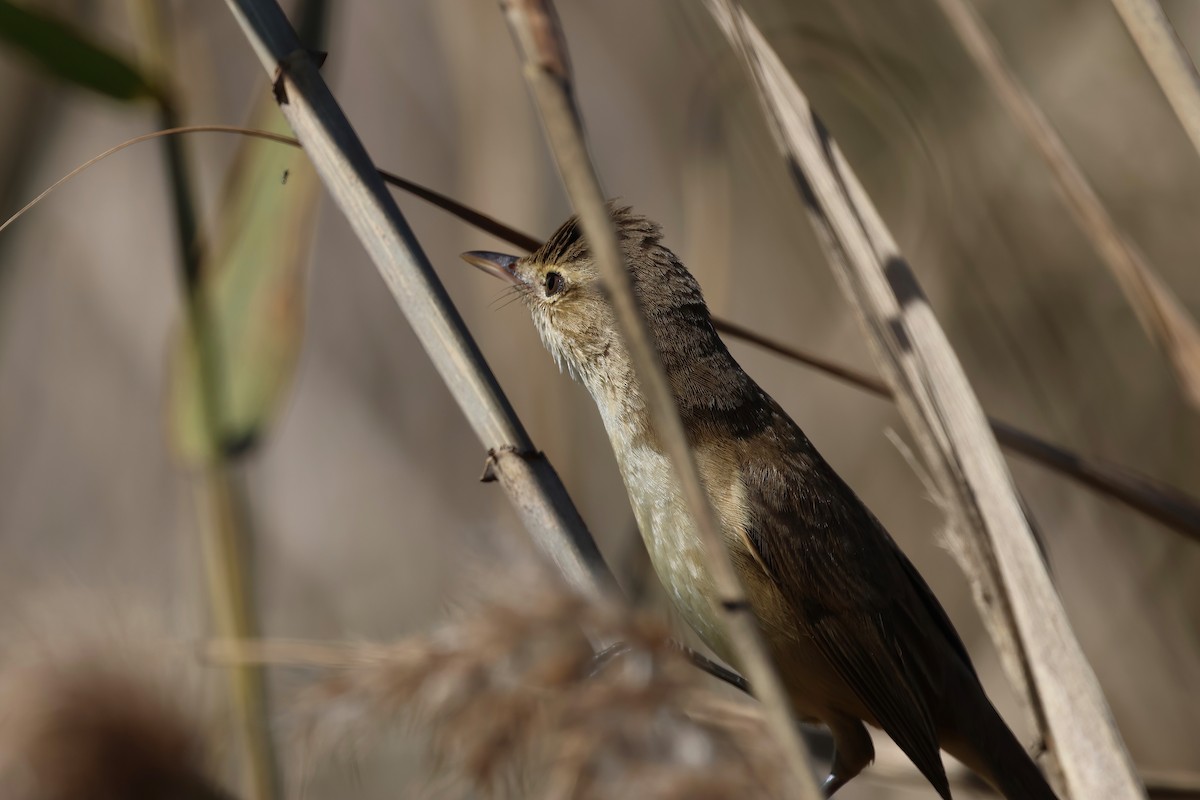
{"points": [[514, 703]]}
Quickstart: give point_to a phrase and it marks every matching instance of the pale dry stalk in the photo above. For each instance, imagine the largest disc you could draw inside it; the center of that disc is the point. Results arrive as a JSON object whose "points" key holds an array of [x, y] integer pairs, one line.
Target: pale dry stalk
{"points": [[996, 547]]}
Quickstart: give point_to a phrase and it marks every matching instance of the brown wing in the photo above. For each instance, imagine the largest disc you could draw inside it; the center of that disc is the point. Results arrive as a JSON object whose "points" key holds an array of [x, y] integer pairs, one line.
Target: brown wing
{"points": [[852, 590]]}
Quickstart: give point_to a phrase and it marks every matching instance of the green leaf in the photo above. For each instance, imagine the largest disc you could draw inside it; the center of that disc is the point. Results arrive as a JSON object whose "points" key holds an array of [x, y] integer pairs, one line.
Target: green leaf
{"points": [[255, 283], [66, 53]]}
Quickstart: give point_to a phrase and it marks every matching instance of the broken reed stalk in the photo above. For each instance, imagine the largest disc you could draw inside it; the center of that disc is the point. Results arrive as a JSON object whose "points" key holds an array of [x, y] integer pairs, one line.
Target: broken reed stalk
{"points": [[1156, 307], [226, 537], [1155, 37], [346, 170], [543, 51], [998, 551], [1162, 502]]}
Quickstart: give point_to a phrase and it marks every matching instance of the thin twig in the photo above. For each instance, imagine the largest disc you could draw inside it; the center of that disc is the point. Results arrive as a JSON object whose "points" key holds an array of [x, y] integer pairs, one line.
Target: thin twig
{"points": [[463, 212], [1158, 309], [543, 50], [1164, 503], [1167, 504], [1012, 587]]}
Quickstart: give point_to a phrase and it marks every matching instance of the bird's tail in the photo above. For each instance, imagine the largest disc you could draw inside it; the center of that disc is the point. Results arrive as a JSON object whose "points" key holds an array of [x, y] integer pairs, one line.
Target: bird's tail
{"points": [[992, 750]]}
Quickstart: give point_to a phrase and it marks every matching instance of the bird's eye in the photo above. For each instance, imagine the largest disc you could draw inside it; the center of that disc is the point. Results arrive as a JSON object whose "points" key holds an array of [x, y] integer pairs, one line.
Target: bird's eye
{"points": [[554, 283]]}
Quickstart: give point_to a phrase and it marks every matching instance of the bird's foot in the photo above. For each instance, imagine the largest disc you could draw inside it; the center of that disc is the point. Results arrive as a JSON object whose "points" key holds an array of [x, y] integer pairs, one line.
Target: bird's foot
{"points": [[852, 750]]}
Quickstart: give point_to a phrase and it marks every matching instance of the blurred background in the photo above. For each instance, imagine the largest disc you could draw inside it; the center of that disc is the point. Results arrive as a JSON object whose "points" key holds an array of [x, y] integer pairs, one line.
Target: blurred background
{"points": [[363, 490]]}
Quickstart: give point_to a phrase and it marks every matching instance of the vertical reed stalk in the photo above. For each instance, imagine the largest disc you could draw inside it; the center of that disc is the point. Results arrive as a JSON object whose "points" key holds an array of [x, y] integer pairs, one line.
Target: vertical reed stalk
{"points": [[225, 532]]}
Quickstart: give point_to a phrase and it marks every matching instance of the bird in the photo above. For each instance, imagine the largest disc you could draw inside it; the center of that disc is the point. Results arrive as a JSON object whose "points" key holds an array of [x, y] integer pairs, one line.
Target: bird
{"points": [[855, 632]]}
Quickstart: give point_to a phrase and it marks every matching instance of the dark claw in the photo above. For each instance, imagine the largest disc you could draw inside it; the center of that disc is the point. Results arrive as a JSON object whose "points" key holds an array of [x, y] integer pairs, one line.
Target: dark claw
{"points": [[831, 784], [713, 668]]}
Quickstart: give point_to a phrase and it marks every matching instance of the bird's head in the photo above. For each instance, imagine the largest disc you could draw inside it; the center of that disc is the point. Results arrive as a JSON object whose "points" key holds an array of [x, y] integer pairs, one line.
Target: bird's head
{"points": [[560, 283]]}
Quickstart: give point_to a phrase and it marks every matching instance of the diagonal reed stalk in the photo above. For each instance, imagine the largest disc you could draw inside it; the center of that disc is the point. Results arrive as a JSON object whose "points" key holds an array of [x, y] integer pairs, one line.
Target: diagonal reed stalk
{"points": [[1155, 37], [347, 172], [543, 50], [1157, 308], [993, 538]]}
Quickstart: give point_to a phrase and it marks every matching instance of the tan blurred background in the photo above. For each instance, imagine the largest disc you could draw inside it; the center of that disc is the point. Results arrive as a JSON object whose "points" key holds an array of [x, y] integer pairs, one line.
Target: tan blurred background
{"points": [[365, 497]]}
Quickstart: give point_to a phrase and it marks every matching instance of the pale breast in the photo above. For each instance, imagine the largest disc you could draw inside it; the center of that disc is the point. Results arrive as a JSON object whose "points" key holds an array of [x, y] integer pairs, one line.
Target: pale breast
{"points": [[675, 548], [679, 560]]}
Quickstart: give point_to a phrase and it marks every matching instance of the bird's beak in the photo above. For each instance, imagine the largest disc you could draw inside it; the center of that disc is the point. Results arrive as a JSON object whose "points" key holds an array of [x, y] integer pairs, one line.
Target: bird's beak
{"points": [[498, 265]]}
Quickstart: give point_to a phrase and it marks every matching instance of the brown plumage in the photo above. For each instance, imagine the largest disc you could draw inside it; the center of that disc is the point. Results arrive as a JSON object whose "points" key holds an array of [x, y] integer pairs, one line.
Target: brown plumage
{"points": [[855, 631]]}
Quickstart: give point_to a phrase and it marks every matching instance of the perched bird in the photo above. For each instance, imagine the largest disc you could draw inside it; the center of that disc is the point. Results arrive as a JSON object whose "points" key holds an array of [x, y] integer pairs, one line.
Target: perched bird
{"points": [[854, 630]]}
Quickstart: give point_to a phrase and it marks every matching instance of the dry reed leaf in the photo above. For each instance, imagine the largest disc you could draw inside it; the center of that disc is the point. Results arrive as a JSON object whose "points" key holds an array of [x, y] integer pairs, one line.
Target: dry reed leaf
{"points": [[1157, 308], [1009, 581]]}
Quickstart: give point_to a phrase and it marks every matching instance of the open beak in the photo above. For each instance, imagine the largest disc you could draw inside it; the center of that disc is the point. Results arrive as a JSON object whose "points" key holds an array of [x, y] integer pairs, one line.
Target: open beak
{"points": [[498, 265]]}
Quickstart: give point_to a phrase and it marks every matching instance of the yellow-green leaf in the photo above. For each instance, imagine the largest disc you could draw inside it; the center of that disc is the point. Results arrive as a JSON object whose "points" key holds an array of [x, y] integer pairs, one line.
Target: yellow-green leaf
{"points": [[254, 280]]}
